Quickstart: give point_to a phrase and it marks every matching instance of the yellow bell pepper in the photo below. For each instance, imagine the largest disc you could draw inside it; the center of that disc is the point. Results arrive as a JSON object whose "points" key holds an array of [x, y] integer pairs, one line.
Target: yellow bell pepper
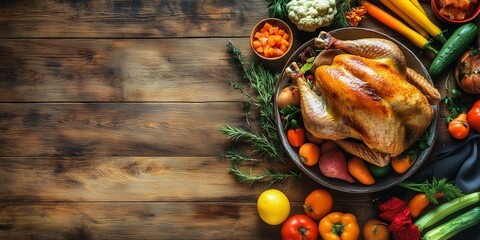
{"points": [[339, 226]]}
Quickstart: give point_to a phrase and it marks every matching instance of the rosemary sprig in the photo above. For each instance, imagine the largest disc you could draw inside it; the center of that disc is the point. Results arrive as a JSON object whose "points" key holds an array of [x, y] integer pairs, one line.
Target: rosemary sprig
{"points": [[261, 144], [271, 175], [430, 188], [263, 141]]}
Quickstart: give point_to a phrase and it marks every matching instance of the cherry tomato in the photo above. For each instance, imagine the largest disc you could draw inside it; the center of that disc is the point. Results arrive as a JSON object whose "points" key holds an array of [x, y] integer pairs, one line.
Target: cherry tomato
{"points": [[473, 116], [299, 227], [459, 127], [273, 206], [318, 203], [296, 137]]}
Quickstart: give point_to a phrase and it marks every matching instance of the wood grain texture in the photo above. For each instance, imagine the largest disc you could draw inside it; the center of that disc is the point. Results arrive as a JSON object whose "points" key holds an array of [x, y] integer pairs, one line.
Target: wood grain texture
{"points": [[129, 19], [119, 179], [118, 70], [103, 129], [144, 220]]}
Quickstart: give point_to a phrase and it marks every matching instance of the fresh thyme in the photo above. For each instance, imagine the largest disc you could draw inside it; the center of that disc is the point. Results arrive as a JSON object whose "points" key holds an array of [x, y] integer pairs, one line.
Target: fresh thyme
{"points": [[265, 142], [431, 188]]}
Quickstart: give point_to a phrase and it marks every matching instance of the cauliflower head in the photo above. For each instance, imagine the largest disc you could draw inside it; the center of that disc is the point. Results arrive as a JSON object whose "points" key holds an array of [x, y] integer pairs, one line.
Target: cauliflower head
{"points": [[309, 15]]}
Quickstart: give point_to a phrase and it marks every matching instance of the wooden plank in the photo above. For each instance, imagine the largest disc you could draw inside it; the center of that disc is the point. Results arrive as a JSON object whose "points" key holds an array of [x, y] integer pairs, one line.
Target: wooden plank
{"points": [[103, 129], [124, 70], [138, 19], [127, 19], [189, 70], [116, 179], [134, 129], [145, 220]]}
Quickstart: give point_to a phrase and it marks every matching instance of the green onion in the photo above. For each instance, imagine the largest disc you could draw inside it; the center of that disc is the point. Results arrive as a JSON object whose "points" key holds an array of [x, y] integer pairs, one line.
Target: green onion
{"points": [[446, 209], [454, 226]]}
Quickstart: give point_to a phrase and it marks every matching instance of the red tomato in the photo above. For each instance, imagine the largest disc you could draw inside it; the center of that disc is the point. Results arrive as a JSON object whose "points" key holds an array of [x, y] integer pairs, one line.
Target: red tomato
{"points": [[296, 137], [473, 116], [299, 227]]}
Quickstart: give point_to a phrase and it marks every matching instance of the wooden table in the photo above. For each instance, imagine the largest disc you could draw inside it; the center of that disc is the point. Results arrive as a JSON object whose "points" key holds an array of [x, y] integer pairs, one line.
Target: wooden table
{"points": [[109, 118]]}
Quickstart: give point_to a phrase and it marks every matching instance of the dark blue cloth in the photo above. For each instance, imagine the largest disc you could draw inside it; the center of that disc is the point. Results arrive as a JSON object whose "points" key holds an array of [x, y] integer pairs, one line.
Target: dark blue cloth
{"points": [[458, 163]]}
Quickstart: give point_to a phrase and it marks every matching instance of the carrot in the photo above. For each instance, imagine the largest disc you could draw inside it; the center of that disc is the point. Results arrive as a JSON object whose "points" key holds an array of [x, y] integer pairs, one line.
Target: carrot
{"points": [[419, 202], [405, 17], [408, 8], [270, 41], [402, 164], [309, 153], [358, 169], [398, 26], [417, 5]]}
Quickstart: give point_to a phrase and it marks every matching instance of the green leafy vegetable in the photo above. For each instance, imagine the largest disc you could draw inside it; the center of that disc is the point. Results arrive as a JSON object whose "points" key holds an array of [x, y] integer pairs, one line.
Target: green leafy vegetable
{"points": [[308, 65], [278, 9], [430, 188]]}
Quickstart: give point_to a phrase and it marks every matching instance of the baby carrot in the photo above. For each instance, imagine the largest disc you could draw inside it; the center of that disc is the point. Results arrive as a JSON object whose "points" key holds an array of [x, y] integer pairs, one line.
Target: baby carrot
{"points": [[398, 26], [358, 169], [417, 204], [402, 164]]}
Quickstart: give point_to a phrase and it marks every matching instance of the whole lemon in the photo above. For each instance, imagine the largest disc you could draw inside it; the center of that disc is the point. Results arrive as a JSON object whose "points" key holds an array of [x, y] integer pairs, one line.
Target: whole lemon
{"points": [[273, 206]]}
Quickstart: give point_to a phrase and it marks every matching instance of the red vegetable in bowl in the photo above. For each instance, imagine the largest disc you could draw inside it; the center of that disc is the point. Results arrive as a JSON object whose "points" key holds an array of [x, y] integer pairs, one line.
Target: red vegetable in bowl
{"points": [[334, 164], [457, 9]]}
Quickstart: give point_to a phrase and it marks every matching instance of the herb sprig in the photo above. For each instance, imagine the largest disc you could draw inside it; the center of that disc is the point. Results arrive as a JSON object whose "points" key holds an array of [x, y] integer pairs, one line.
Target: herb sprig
{"points": [[340, 20], [278, 8], [453, 100], [430, 188], [264, 142]]}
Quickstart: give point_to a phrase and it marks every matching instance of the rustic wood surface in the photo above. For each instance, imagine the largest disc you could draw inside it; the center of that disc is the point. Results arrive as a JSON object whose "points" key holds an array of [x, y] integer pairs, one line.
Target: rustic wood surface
{"points": [[109, 118]]}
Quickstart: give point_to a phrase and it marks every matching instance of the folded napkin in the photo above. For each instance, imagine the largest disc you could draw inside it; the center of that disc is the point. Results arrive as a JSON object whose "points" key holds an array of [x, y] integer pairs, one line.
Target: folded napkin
{"points": [[458, 163]]}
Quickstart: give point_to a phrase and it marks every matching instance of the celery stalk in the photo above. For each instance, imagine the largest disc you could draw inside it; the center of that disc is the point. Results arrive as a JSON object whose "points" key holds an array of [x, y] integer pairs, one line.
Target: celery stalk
{"points": [[446, 209], [454, 226]]}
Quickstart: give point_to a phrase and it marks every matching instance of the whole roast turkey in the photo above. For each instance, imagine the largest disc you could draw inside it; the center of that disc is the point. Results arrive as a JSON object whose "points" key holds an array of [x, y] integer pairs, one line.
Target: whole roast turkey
{"points": [[368, 100]]}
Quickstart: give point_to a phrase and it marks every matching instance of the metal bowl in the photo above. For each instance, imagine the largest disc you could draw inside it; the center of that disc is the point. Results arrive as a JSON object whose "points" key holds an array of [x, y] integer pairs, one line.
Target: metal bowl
{"points": [[314, 171]]}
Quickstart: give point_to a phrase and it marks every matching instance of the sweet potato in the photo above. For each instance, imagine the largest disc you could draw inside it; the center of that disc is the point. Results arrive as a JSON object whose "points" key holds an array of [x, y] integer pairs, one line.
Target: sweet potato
{"points": [[334, 164]]}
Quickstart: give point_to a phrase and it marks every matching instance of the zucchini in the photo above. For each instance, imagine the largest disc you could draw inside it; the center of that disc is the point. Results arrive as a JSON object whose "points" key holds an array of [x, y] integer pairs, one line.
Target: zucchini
{"points": [[453, 48], [454, 226], [446, 209]]}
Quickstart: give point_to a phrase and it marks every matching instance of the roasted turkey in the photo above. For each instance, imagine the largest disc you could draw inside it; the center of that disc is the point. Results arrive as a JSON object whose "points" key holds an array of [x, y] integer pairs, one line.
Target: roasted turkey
{"points": [[368, 100]]}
